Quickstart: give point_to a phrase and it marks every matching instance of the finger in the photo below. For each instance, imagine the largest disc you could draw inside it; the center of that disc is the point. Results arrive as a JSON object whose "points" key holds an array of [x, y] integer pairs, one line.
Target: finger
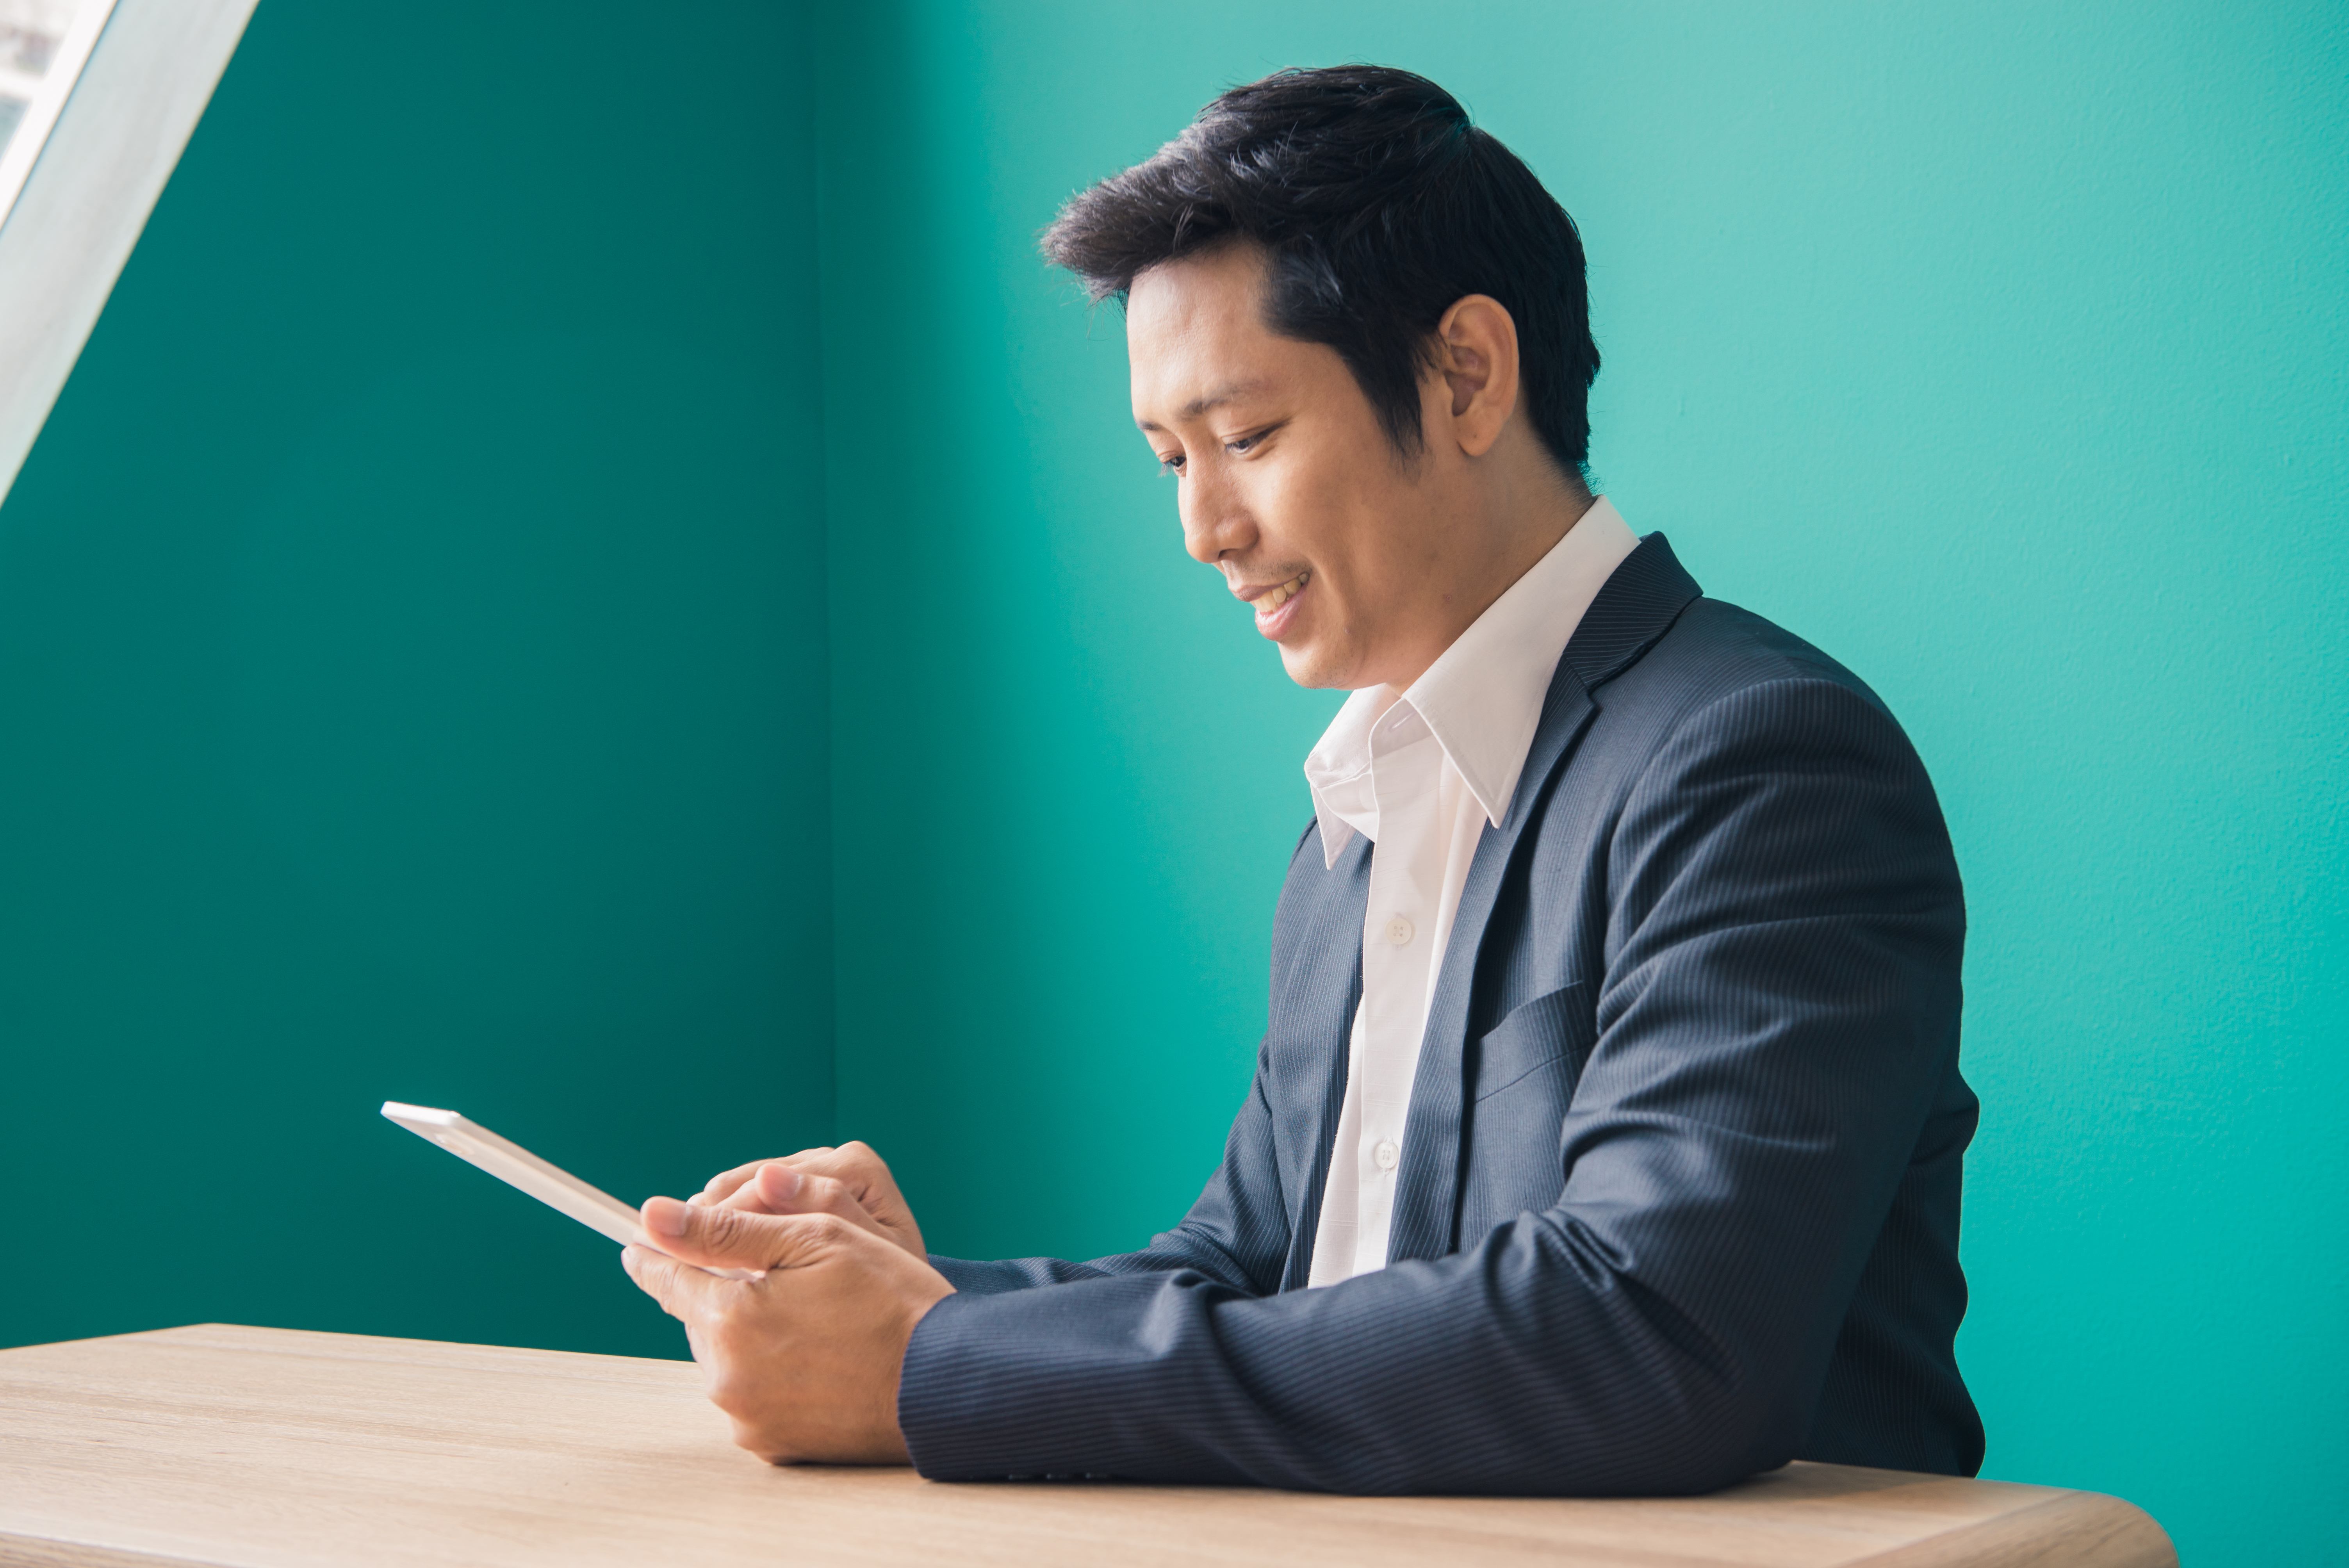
{"points": [[779, 1189], [724, 1185], [678, 1289], [716, 1236], [786, 1187], [751, 1192], [858, 1170], [852, 1162], [865, 1176]]}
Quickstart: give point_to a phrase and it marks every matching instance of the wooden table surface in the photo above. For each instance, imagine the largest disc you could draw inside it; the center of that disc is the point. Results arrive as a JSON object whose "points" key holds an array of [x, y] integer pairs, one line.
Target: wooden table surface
{"points": [[230, 1446]]}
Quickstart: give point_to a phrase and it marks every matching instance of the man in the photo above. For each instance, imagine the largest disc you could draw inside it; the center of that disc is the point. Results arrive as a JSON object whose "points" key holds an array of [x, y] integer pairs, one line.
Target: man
{"points": [[1605, 1132]]}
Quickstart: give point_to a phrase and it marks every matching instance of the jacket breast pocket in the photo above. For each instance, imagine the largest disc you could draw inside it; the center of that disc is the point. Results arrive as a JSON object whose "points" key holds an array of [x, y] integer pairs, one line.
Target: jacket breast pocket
{"points": [[1551, 1034], [1526, 1067]]}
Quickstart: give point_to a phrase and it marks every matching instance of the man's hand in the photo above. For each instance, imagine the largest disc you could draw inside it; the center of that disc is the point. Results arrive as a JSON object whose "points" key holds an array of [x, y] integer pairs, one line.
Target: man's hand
{"points": [[850, 1181], [806, 1357]]}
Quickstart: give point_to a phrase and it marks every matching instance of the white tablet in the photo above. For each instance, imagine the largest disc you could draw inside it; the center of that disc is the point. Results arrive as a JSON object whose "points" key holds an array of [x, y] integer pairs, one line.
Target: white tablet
{"points": [[518, 1166]]}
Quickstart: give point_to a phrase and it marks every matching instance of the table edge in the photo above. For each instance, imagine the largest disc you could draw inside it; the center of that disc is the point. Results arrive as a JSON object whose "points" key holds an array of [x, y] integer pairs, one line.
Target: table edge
{"points": [[2062, 1525]]}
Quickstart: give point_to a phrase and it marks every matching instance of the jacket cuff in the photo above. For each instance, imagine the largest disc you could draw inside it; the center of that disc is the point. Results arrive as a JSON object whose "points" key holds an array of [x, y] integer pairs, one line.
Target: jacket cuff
{"points": [[973, 1278]]}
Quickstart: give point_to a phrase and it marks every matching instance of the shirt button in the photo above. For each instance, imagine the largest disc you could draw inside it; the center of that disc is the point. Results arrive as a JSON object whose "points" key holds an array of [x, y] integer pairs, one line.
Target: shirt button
{"points": [[1384, 1154], [1398, 931]]}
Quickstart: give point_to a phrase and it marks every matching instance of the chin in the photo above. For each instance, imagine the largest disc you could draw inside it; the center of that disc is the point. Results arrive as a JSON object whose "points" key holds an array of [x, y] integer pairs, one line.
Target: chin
{"points": [[1309, 667]]}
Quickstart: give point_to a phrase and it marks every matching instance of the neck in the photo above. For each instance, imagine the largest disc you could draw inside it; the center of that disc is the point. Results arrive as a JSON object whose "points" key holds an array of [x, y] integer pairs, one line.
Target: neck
{"points": [[1520, 524]]}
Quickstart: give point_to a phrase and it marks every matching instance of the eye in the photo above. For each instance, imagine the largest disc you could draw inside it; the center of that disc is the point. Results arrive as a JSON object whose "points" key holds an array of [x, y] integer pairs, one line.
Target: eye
{"points": [[1171, 463], [1241, 446]]}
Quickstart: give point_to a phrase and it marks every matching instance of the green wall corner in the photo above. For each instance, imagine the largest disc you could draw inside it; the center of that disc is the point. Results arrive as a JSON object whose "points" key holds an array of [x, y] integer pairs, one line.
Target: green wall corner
{"points": [[412, 666]]}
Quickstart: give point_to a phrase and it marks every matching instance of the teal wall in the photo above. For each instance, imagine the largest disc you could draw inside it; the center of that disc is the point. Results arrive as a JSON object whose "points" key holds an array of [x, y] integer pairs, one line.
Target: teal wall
{"points": [[412, 681], [414, 642]]}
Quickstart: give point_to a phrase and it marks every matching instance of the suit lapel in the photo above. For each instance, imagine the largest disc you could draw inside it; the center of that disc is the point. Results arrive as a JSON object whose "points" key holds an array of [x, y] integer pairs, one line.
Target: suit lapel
{"points": [[1427, 1185], [1638, 605], [1318, 1023]]}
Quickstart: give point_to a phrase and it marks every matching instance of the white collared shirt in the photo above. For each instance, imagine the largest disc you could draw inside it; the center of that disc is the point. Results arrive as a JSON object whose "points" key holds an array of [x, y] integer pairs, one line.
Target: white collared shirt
{"points": [[1421, 775]]}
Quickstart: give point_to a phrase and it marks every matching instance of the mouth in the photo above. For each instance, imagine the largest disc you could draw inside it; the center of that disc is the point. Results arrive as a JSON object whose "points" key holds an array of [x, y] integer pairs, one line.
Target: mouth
{"points": [[1276, 606]]}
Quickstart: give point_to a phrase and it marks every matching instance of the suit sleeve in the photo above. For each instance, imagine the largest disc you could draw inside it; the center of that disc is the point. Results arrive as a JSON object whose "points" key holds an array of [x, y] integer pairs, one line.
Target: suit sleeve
{"points": [[1779, 1004]]}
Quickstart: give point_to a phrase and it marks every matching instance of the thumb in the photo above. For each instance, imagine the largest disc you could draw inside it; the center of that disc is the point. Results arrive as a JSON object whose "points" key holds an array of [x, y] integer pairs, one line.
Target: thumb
{"points": [[718, 1237]]}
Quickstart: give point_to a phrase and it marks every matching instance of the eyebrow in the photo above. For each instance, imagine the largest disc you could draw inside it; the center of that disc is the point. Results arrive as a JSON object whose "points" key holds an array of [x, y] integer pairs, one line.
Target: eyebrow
{"points": [[1228, 393]]}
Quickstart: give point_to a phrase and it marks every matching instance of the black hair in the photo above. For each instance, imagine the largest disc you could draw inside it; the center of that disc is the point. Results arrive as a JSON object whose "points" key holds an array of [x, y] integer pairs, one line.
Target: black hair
{"points": [[1378, 205]]}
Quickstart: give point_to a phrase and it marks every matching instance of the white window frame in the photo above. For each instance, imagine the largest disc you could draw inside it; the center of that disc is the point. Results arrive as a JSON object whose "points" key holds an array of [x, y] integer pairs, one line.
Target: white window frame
{"points": [[96, 176], [45, 95]]}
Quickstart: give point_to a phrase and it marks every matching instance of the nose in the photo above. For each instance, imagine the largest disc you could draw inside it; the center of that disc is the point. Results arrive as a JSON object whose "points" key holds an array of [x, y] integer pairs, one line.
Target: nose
{"points": [[1215, 522]]}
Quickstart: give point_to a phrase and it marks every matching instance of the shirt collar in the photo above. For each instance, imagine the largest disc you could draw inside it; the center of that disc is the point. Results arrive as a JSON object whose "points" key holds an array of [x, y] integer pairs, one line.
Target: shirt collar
{"points": [[1483, 697]]}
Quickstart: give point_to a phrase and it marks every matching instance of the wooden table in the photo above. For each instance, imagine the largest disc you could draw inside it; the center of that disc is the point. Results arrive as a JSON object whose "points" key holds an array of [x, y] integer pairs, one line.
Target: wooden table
{"points": [[230, 1446]]}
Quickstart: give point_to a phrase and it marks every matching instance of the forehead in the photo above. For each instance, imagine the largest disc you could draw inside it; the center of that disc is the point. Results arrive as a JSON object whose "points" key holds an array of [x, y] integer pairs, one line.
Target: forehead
{"points": [[1194, 332]]}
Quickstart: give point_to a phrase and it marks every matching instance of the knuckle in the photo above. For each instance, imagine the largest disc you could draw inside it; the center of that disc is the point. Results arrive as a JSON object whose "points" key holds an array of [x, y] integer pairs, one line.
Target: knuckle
{"points": [[731, 1395], [769, 1445], [722, 1327]]}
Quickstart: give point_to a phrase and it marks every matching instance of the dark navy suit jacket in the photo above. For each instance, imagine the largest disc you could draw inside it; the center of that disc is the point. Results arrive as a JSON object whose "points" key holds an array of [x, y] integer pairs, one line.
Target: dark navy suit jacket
{"points": [[1678, 1191]]}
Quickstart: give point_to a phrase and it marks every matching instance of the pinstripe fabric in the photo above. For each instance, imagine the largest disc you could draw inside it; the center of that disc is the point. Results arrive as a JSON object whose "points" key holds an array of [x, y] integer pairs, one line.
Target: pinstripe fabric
{"points": [[1678, 1196]]}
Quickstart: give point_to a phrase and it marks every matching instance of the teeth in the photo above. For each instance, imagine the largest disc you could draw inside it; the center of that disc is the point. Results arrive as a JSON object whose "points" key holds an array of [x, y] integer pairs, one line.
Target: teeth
{"points": [[1281, 595]]}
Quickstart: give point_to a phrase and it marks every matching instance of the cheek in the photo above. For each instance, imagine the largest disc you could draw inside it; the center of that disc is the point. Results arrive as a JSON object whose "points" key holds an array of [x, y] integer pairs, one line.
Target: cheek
{"points": [[1311, 509]]}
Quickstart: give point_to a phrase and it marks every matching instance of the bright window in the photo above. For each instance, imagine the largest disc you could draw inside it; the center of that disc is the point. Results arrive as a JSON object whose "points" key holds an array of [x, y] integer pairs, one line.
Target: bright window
{"points": [[44, 43]]}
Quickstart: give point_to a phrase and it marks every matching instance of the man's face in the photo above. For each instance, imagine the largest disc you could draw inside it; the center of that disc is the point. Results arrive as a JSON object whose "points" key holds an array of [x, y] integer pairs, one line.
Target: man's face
{"points": [[1287, 483]]}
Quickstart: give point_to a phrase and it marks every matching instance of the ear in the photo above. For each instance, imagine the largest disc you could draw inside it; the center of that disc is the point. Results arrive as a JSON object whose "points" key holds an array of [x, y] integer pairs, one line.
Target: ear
{"points": [[1476, 345]]}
